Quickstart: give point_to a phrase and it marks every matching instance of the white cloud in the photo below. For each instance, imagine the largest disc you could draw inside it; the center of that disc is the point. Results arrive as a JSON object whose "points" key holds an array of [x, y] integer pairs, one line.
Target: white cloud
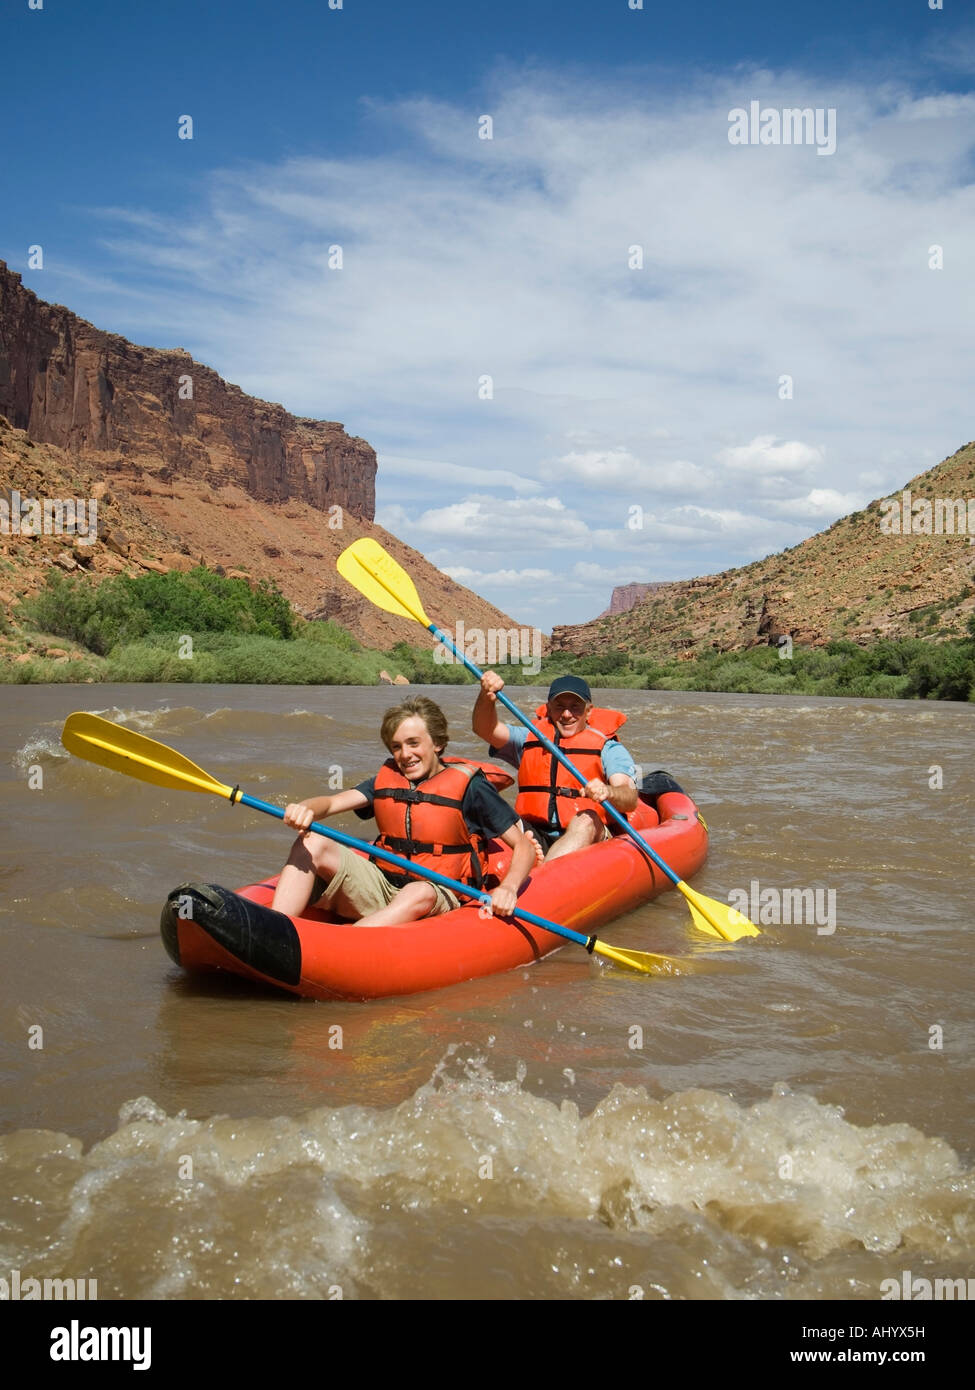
{"points": [[585, 585], [620, 471], [611, 386], [727, 531], [945, 106], [590, 574], [455, 474], [491, 524], [821, 504], [763, 455], [507, 579]]}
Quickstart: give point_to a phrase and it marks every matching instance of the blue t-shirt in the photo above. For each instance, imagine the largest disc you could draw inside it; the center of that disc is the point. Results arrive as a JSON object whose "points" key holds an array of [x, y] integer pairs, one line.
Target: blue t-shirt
{"points": [[614, 756]]}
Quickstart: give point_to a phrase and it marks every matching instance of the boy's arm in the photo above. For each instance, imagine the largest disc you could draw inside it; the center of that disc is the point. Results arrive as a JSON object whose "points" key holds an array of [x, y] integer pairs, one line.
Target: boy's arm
{"points": [[505, 896], [300, 814], [485, 721]]}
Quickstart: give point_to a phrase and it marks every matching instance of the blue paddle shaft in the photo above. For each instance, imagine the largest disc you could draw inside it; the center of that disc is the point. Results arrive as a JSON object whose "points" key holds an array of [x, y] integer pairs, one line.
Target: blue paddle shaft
{"points": [[417, 870], [558, 754]]}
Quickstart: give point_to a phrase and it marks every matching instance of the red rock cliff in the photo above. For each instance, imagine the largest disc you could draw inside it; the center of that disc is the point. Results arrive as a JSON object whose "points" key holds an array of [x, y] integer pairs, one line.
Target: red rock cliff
{"points": [[627, 596], [99, 396]]}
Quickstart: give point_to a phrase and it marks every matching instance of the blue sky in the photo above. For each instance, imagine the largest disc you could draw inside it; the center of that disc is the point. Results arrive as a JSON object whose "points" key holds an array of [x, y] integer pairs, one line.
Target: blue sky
{"points": [[636, 426]]}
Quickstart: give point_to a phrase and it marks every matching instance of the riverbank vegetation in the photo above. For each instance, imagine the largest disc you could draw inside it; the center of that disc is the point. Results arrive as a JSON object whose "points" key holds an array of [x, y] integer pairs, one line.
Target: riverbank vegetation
{"points": [[205, 627], [905, 669]]}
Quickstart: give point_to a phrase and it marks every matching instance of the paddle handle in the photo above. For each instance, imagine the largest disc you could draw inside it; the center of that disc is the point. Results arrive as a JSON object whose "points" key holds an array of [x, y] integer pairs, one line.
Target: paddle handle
{"points": [[559, 755], [417, 870]]}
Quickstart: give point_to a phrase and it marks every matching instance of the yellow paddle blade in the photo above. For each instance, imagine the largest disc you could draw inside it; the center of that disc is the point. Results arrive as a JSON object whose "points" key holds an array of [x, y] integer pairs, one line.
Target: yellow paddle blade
{"points": [[717, 919], [100, 741], [378, 577], [642, 961]]}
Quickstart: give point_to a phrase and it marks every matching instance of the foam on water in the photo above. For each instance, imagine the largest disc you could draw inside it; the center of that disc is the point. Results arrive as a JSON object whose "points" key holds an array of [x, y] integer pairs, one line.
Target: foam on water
{"points": [[45, 746], [40, 748], [145, 718], [294, 1207], [183, 717]]}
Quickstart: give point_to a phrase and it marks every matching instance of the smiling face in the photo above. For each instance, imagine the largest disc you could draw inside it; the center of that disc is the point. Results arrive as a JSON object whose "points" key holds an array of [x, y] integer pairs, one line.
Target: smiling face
{"points": [[413, 750], [568, 713]]}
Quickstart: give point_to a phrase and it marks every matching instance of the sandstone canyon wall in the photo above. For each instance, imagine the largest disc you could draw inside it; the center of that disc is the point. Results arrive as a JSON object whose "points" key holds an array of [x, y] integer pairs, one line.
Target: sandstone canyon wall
{"points": [[96, 395]]}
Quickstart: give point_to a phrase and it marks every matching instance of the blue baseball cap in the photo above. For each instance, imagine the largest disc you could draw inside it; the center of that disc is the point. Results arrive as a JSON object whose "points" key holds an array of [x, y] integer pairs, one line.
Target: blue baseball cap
{"points": [[570, 685]]}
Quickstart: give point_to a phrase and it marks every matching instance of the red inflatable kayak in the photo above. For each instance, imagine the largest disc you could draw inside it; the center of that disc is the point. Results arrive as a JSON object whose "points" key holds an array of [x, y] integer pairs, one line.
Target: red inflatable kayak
{"points": [[206, 927]]}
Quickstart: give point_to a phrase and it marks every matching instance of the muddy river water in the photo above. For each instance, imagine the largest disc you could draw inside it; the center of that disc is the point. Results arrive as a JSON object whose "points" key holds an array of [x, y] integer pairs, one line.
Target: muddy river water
{"points": [[793, 1121]]}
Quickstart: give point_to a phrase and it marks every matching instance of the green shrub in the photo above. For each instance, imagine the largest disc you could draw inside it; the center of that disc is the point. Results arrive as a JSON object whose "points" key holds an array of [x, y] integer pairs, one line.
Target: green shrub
{"points": [[943, 672], [41, 671], [126, 608], [603, 664], [97, 618], [329, 633]]}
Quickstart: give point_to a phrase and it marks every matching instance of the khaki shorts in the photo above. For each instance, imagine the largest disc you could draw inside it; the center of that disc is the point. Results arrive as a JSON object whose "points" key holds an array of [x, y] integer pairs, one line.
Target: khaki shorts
{"points": [[359, 887]]}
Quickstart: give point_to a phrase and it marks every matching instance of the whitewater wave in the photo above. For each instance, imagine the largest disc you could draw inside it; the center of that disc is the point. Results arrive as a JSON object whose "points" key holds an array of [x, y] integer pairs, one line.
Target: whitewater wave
{"points": [[297, 1207]]}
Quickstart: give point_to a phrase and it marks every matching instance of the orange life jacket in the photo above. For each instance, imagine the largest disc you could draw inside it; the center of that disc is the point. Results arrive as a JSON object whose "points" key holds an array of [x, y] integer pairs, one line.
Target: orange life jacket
{"points": [[545, 790], [423, 821]]}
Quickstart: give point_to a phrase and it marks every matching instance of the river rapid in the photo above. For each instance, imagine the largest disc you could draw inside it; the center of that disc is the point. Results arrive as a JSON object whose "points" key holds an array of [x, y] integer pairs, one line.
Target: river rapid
{"points": [[790, 1119]]}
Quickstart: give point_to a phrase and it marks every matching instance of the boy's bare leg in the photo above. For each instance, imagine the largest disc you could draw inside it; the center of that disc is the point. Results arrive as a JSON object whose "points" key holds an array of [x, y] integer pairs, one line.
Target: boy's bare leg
{"points": [[410, 903], [583, 829], [311, 855]]}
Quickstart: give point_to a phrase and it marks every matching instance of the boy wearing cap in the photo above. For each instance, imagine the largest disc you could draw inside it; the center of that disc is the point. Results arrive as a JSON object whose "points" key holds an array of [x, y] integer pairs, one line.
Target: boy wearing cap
{"points": [[562, 814]]}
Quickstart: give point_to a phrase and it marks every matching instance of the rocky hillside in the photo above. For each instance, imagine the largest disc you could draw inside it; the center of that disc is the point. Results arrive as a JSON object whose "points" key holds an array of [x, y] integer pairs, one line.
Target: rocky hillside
{"points": [[854, 580], [135, 410], [147, 522]]}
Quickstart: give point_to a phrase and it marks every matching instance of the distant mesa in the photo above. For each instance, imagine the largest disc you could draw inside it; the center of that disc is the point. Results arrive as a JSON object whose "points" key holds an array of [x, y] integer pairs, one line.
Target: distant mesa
{"points": [[627, 596]]}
